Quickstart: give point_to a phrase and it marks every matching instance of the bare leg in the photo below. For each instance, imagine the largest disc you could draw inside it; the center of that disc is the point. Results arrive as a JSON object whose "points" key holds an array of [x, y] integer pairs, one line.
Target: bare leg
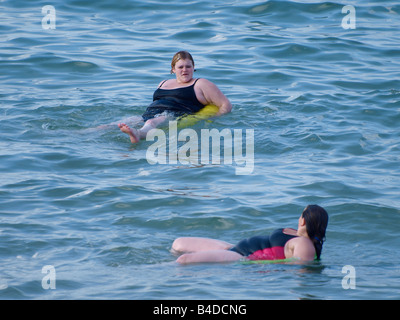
{"points": [[204, 250], [131, 121], [195, 244], [209, 256], [137, 134]]}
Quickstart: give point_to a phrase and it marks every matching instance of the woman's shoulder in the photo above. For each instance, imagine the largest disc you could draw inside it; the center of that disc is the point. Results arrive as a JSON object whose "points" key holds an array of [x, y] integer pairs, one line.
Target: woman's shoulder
{"points": [[303, 248], [203, 81], [163, 82], [206, 85], [304, 241], [172, 83]]}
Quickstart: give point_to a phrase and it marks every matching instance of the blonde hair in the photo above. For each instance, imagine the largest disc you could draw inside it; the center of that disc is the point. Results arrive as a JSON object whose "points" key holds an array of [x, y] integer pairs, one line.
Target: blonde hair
{"points": [[179, 56]]}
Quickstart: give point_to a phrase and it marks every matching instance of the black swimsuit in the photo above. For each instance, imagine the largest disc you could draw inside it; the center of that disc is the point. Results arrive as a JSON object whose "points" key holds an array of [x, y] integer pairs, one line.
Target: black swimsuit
{"points": [[177, 102], [264, 247]]}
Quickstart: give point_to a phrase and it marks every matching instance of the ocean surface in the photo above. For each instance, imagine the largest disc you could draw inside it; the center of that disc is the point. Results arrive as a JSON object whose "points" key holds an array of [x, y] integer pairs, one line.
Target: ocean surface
{"points": [[84, 215]]}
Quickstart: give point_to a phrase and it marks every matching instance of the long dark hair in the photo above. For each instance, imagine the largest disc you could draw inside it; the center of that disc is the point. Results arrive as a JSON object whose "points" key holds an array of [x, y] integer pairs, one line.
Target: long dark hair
{"points": [[316, 222]]}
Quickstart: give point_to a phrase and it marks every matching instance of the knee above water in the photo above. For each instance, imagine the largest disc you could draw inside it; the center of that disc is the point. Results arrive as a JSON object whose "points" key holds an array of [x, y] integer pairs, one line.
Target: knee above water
{"points": [[183, 259], [177, 245]]}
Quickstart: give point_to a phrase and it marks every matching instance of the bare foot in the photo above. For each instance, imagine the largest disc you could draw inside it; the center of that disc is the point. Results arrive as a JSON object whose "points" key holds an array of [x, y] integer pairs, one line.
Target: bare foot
{"points": [[132, 133]]}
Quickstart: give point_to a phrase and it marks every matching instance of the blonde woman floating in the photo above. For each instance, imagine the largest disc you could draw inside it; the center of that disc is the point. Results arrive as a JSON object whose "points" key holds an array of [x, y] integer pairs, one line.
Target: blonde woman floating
{"points": [[178, 97]]}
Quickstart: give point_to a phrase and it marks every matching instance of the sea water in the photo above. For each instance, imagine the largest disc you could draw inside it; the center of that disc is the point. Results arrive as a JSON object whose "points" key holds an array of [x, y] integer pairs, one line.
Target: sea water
{"points": [[85, 215]]}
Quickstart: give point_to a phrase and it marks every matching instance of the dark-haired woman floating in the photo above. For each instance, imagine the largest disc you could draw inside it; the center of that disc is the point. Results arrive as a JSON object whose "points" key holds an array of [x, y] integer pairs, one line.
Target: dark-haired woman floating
{"points": [[304, 244]]}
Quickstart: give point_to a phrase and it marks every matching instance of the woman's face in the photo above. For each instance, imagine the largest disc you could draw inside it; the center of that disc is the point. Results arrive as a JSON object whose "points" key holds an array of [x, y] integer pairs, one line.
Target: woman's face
{"points": [[183, 70]]}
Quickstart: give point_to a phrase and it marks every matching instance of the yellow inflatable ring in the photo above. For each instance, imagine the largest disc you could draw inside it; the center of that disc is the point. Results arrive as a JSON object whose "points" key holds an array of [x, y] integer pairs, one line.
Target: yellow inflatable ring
{"points": [[207, 112]]}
